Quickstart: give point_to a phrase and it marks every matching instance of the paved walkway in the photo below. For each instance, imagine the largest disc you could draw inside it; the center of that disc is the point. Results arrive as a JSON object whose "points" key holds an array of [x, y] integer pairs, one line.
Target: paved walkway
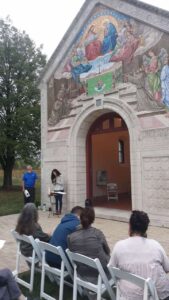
{"points": [[113, 231]]}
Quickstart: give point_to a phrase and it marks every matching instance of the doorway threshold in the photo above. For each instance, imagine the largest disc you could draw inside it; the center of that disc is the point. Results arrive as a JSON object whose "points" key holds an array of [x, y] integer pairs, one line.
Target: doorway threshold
{"points": [[112, 214]]}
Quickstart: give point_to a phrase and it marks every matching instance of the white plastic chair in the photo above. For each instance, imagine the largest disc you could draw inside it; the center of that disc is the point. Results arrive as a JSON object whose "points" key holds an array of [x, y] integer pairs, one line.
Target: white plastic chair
{"points": [[147, 285], [103, 284], [59, 275], [112, 191], [31, 260]]}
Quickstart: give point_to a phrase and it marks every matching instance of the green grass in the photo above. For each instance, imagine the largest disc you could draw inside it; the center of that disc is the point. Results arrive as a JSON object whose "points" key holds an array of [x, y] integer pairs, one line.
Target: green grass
{"points": [[50, 287], [11, 202]]}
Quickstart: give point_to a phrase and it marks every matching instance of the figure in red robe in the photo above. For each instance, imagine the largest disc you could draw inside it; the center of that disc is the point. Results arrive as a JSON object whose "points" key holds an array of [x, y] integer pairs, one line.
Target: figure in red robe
{"points": [[92, 44]]}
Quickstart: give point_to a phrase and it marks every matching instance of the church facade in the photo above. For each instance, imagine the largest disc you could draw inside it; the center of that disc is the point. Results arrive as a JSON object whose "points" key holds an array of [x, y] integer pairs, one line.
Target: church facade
{"points": [[105, 109]]}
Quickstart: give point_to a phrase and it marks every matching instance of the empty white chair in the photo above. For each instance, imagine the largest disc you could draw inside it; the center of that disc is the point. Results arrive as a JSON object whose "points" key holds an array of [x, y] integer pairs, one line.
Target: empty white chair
{"points": [[59, 275], [112, 191], [31, 260], [102, 285], [147, 285]]}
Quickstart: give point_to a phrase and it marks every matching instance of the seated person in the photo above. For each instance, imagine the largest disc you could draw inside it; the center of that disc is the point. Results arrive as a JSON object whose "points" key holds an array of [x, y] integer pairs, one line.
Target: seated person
{"points": [[28, 224], [68, 224], [141, 256], [9, 289], [91, 242], [88, 203]]}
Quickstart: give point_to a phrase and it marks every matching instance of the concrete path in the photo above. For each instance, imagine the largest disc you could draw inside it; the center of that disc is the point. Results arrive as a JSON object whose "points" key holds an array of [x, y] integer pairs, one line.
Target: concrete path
{"points": [[113, 230]]}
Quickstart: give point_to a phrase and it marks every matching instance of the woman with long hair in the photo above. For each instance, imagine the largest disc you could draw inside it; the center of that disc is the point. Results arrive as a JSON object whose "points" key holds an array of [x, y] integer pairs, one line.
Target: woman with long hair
{"points": [[91, 242], [57, 185], [28, 224]]}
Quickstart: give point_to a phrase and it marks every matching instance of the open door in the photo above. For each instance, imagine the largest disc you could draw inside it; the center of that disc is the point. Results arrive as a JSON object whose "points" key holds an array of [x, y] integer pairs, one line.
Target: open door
{"points": [[108, 161]]}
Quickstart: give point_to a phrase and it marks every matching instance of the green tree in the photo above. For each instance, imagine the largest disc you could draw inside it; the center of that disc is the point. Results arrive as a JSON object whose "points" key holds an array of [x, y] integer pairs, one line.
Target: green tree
{"points": [[20, 66]]}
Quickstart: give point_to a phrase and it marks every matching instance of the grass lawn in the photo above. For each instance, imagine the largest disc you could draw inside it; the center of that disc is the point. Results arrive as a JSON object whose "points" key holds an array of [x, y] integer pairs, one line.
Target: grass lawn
{"points": [[11, 202], [50, 287]]}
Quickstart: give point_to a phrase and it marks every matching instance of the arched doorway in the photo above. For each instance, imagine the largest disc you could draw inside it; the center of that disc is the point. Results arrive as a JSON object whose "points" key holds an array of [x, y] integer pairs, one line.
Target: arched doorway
{"points": [[76, 164], [108, 160]]}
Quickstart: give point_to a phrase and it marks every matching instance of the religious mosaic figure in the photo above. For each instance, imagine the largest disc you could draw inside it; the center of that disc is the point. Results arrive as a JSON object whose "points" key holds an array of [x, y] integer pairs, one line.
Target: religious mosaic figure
{"points": [[61, 106], [110, 36], [145, 101], [152, 67], [92, 44], [165, 82], [128, 43]]}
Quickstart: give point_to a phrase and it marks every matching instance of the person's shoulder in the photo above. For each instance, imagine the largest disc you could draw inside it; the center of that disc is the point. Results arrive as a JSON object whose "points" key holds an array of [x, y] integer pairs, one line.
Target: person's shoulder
{"points": [[34, 174], [76, 232], [97, 231], [121, 243], [37, 226], [153, 243]]}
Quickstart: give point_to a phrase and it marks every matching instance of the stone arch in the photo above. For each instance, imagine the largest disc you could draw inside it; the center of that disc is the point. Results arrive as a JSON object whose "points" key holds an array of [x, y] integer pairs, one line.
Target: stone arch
{"points": [[77, 148]]}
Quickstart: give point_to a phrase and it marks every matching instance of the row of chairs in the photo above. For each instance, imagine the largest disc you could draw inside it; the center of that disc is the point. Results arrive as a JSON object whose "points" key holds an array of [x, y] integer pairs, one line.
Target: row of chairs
{"points": [[68, 274]]}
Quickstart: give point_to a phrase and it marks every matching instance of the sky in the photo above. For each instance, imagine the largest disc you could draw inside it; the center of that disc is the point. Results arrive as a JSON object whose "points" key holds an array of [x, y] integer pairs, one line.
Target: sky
{"points": [[47, 21]]}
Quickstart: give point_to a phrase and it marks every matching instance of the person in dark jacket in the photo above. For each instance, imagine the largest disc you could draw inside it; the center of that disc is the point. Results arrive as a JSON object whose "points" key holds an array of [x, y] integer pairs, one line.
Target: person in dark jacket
{"points": [[69, 223], [28, 224], [90, 242], [9, 289]]}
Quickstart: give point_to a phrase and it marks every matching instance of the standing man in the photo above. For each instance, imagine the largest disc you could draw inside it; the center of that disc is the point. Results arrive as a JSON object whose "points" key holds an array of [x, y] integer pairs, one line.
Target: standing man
{"points": [[29, 179]]}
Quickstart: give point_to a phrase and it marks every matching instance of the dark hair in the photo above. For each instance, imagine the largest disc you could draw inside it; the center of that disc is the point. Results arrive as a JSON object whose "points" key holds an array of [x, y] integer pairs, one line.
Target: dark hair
{"points": [[87, 217], [139, 222], [77, 210], [27, 220], [53, 176], [88, 203]]}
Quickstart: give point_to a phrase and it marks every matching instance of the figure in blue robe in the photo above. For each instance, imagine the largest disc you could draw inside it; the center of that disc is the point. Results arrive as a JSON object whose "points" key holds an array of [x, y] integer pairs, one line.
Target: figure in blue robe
{"points": [[79, 69], [110, 37], [165, 84]]}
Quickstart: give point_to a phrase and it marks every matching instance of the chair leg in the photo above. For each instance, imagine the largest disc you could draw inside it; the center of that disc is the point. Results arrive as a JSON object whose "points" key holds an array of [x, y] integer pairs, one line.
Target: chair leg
{"points": [[99, 294], [42, 280], [17, 259], [75, 285], [32, 273], [61, 282]]}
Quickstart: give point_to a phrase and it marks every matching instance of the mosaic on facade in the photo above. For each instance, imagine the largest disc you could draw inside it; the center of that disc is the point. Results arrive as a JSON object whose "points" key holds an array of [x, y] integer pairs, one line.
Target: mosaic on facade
{"points": [[110, 49]]}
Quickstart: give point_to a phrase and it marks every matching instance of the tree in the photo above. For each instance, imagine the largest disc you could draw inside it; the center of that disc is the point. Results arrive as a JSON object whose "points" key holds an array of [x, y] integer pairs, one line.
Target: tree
{"points": [[20, 66]]}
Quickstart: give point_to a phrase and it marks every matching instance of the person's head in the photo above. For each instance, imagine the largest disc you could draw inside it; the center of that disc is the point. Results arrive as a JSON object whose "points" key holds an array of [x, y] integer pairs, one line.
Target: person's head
{"points": [[77, 210], [87, 217], [54, 174], [88, 203], [27, 219], [151, 53], [29, 168], [138, 223]]}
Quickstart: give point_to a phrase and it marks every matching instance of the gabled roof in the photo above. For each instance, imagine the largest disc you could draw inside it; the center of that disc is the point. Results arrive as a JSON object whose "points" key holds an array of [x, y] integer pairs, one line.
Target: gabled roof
{"points": [[83, 15]]}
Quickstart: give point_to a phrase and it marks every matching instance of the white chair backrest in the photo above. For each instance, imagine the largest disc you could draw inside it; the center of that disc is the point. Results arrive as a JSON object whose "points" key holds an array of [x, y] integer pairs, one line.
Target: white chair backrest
{"points": [[60, 273], [146, 285], [28, 239], [112, 186], [76, 258], [58, 251], [32, 261]]}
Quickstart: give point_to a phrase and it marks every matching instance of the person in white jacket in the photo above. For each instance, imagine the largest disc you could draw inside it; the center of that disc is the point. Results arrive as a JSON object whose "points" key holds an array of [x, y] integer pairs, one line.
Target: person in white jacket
{"points": [[57, 183]]}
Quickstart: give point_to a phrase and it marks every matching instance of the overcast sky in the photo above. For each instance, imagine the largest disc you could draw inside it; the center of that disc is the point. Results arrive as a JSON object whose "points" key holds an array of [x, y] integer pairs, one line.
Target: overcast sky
{"points": [[47, 21]]}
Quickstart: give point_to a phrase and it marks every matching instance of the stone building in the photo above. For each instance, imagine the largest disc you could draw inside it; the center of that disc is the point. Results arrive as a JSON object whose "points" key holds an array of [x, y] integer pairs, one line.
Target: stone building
{"points": [[104, 107]]}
